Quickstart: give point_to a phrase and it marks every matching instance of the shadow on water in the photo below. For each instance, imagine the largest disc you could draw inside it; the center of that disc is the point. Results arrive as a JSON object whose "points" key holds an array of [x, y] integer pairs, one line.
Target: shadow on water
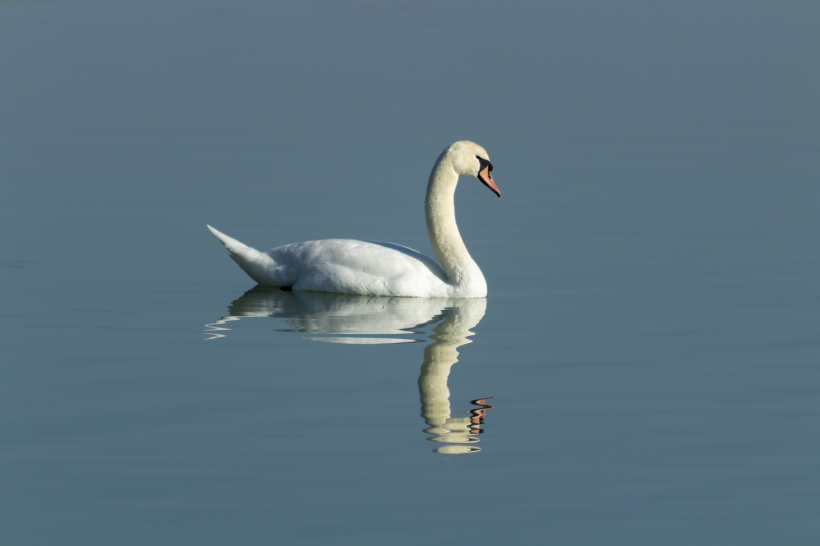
{"points": [[365, 320]]}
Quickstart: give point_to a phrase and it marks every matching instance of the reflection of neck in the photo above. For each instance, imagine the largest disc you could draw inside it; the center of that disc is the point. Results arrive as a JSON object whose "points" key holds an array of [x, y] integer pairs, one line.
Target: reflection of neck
{"points": [[439, 357], [439, 208]]}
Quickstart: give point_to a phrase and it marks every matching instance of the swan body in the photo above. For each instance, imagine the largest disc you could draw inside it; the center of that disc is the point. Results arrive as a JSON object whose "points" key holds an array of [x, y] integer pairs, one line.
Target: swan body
{"points": [[384, 269]]}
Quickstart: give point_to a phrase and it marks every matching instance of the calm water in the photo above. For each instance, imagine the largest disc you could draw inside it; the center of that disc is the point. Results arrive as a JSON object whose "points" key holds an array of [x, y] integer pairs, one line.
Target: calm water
{"points": [[650, 341]]}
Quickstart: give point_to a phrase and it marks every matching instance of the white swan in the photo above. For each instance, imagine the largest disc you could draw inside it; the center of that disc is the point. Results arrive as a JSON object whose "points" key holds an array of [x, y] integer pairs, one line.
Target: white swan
{"points": [[384, 269]]}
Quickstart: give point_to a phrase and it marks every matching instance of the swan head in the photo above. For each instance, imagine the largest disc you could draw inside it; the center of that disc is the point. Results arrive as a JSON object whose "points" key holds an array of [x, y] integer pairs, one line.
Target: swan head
{"points": [[470, 159]]}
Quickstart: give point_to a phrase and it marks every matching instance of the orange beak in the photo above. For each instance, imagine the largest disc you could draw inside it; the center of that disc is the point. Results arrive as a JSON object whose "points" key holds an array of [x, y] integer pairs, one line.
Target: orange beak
{"points": [[487, 179]]}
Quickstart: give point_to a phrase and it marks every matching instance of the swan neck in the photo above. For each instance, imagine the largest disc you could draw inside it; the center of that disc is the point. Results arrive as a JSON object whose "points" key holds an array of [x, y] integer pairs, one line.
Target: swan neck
{"points": [[445, 238]]}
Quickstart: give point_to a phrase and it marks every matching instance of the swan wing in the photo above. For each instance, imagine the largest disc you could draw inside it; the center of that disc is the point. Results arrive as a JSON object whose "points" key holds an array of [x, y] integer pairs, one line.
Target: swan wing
{"points": [[361, 267]]}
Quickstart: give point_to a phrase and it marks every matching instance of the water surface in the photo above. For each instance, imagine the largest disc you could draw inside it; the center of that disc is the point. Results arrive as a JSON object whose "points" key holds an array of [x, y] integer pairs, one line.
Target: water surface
{"points": [[650, 337]]}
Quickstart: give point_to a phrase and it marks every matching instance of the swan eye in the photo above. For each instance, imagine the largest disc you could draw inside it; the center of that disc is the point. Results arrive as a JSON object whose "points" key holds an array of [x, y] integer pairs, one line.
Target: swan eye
{"points": [[484, 163]]}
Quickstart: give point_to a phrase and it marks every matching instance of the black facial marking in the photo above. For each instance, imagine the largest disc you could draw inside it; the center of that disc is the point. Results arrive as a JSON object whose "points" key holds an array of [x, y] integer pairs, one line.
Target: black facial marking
{"points": [[484, 163]]}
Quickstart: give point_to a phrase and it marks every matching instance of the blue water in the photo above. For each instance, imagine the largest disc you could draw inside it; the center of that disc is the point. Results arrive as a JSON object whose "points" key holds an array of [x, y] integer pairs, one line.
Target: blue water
{"points": [[650, 339]]}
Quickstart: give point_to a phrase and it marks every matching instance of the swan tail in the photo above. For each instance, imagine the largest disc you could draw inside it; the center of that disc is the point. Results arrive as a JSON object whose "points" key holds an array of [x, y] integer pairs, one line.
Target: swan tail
{"points": [[258, 265]]}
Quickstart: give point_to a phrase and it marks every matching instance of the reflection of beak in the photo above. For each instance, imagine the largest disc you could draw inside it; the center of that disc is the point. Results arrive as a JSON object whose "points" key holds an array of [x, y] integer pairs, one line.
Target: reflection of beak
{"points": [[487, 179]]}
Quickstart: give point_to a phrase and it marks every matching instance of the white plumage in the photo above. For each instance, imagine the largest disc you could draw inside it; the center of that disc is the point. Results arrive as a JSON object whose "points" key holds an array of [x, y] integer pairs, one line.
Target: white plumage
{"points": [[384, 269]]}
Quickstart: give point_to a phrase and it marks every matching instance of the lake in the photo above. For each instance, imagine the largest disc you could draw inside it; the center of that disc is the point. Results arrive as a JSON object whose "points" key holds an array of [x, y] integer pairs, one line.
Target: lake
{"points": [[646, 366]]}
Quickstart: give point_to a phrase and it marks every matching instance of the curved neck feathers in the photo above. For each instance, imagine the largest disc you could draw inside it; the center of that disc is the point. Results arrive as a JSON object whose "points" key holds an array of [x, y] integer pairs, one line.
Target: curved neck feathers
{"points": [[445, 238]]}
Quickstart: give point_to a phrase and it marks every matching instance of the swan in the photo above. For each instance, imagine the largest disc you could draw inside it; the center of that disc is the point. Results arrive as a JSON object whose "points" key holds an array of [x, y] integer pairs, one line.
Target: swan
{"points": [[374, 268]]}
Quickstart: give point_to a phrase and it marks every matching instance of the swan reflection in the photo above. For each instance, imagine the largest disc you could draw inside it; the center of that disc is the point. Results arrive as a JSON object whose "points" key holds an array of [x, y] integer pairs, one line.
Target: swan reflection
{"points": [[356, 319]]}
